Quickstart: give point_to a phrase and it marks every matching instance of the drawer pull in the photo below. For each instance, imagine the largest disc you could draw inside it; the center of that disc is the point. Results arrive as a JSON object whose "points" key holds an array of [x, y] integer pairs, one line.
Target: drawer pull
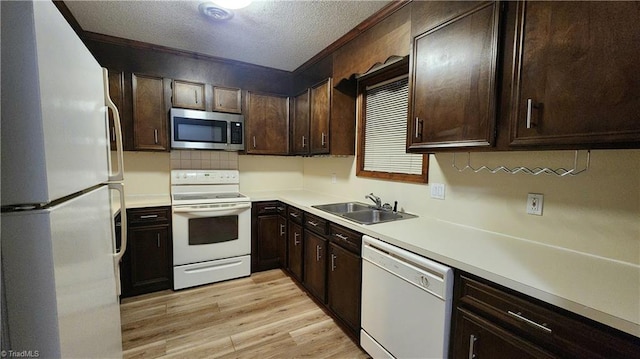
{"points": [[315, 224], [472, 343], [344, 238], [294, 215], [149, 216], [519, 316], [269, 208]]}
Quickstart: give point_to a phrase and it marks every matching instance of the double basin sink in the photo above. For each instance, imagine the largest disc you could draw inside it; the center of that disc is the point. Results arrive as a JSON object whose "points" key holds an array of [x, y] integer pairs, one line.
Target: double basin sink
{"points": [[363, 213]]}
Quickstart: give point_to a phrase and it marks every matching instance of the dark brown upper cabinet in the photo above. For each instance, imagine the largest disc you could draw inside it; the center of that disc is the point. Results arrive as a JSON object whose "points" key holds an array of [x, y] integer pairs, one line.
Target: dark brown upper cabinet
{"points": [[188, 95], [453, 82], [575, 74], [226, 99], [267, 124], [320, 116], [116, 93], [150, 116], [310, 120]]}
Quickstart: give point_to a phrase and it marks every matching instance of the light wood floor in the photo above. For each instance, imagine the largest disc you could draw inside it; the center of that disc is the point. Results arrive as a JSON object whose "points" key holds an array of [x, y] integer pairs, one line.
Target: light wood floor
{"points": [[262, 316]]}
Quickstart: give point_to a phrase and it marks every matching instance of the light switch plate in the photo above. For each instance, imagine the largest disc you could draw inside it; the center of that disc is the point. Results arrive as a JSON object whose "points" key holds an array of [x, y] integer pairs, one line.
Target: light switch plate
{"points": [[437, 190], [534, 203]]}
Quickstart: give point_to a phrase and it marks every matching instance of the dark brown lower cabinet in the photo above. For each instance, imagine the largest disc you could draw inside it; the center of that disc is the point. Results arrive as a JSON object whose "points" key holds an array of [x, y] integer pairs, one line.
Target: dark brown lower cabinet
{"points": [[478, 338], [315, 264], [344, 278], [282, 241], [491, 321], [265, 236], [294, 246], [147, 264]]}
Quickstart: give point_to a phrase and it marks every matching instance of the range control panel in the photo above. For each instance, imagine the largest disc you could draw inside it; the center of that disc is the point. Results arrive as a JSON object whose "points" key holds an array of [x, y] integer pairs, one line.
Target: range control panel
{"points": [[179, 177]]}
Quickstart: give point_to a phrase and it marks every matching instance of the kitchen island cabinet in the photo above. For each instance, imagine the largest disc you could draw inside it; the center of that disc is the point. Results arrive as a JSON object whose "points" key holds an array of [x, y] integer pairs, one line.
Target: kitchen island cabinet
{"points": [[147, 265]]}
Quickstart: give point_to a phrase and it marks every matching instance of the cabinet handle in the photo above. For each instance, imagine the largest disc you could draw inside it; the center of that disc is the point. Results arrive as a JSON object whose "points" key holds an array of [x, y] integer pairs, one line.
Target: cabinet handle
{"points": [[324, 140], [113, 134], [254, 141], [519, 316], [318, 255], [472, 342], [269, 208], [415, 128], [296, 241], [304, 142], [148, 216], [280, 208], [282, 230], [195, 92], [344, 238], [155, 135], [294, 215], [530, 106], [333, 262], [315, 224], [158, 239]]}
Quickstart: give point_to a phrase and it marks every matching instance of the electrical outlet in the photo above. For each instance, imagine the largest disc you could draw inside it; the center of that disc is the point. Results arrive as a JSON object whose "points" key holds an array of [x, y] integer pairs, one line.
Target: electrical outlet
{"points": [[534, 203], [437, 190]]}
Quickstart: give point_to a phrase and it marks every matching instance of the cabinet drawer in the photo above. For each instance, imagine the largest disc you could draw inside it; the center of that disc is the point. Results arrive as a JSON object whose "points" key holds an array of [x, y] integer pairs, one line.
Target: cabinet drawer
{"points": [[281, 208], [315, 224], [148, 216], [270, 207], [295, 214], [554, 328], [346, 238]]}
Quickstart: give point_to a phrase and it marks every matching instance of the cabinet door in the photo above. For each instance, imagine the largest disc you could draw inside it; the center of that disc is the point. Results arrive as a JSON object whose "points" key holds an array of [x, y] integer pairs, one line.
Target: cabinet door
{"points": [[282, 241], [294, 258], [266, 255], [344, 281], [188, 95], [476, 337], [149, 113], [150, 262], [315, 264], [116, 93], [575, 79], [227, 99], [267, 124], [320, 117], [453, 88], [300, 125]]}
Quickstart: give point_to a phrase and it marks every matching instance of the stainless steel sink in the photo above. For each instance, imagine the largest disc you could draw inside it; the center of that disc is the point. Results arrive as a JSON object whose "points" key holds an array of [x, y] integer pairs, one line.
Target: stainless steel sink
{"points": [[362, 213], [340, 208]]}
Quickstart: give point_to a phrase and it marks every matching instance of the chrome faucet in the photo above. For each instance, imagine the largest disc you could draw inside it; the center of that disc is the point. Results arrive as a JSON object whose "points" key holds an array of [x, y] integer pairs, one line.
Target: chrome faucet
{"points": [[375, 199]]}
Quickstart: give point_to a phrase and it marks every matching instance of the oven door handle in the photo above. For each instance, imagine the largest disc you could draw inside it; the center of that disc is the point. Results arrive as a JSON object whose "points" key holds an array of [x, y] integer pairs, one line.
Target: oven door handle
{"points": [[211, 209]]}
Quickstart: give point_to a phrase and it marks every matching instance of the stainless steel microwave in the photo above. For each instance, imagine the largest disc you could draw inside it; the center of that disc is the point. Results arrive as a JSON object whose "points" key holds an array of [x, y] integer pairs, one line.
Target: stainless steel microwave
{"points": [[192, 129]]}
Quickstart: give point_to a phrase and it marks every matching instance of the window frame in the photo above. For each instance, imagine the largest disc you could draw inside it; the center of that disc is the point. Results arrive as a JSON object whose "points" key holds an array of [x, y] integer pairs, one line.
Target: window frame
{"points": [[388, 72]]}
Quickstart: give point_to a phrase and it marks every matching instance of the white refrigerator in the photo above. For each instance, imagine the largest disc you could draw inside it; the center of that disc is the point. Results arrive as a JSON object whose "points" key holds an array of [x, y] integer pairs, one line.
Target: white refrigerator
{"points": [[60, 276]]}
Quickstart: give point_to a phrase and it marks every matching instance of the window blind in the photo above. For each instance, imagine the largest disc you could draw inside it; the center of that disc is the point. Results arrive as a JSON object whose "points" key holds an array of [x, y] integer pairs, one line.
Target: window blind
{"points": [[386, 107]]}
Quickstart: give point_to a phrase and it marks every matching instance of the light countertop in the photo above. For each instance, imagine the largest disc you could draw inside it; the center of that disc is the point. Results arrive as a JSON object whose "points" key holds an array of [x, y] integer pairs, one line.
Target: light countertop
{"points": [[598, 288]]}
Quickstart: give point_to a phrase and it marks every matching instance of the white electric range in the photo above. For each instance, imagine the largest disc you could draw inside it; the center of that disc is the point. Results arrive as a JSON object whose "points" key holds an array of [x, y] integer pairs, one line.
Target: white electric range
{"points": [[211, 227]]}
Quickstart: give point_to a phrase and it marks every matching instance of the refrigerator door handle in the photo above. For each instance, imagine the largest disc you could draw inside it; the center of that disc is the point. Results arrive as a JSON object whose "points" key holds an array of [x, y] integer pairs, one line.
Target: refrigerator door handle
{"points": [[117, 256], [118, 176]]}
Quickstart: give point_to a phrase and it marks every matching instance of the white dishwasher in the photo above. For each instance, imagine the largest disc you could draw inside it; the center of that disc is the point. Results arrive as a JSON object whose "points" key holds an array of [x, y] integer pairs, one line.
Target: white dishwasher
{"points": [[406, 303]]}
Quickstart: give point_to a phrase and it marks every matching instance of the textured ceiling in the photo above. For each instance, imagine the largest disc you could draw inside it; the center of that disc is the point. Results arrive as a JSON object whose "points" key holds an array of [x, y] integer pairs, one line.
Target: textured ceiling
{"points": [[277, 34]]}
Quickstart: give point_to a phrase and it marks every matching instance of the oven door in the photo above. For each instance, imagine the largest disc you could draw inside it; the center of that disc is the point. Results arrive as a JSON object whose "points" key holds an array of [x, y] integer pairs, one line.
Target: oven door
{"points": [[206, 232]]}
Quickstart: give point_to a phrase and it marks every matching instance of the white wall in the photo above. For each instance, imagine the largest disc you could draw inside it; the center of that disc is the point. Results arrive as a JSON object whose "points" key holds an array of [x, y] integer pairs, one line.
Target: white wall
{"points": [[595, 212], [146, 173], [258, 173]]}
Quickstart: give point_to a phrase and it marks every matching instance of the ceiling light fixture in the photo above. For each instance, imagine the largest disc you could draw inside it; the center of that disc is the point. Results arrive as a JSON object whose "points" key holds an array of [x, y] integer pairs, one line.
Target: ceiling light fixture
{"points": [[215, 12], [232, 4]]}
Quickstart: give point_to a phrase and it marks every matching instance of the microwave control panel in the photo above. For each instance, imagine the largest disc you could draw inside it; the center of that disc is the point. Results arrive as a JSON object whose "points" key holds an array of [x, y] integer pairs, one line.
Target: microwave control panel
{"points": [[236, 133]]}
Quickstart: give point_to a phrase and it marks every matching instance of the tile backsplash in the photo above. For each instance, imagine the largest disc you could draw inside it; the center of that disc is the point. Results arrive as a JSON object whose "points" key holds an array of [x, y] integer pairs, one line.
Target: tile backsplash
{"points": [[203, 160]]}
